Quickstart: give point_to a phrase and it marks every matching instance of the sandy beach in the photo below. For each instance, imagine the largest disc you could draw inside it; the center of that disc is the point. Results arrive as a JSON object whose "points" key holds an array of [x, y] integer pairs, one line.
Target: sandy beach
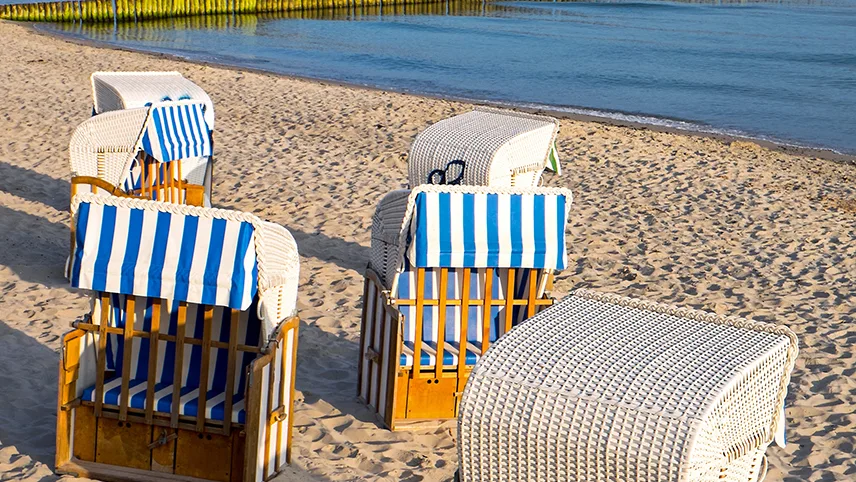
{"points": [[726, 226]]}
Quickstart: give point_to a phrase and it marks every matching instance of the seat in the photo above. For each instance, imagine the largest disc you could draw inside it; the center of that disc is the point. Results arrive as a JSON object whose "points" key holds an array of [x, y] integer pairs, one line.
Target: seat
{"points": [[190, 343]]}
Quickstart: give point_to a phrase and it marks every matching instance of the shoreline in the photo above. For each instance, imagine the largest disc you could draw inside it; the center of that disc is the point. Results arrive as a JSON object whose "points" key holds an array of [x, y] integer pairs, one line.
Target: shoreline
{"points": [[778, 146]]}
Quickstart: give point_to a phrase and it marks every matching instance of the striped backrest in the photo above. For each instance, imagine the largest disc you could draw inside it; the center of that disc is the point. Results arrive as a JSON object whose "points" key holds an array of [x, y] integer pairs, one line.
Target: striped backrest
{"points": [[469, 227], [248, 333], [176, 130], [159, 250]]}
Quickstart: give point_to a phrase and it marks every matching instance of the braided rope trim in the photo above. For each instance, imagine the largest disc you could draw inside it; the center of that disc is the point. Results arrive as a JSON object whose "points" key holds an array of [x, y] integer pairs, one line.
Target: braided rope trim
{"points": [[708, 317], [411, 205], [172, 208], [527, 115]]}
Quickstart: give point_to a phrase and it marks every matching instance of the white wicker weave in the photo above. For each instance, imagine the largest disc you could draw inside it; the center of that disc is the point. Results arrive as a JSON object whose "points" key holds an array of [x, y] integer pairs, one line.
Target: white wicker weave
{"points": [[105, 145], [276, 252], [605, 388], [126, 90], [499, 147]]}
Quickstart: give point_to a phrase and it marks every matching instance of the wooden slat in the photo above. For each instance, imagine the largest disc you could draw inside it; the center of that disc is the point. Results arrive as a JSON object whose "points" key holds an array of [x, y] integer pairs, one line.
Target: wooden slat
{"points": [[170, 338], [153, 360], [488, 294], [291, 379], [417, 333], [68, 368], [284, 383], [180, 188], [465, 316], [179, 362], [208, 320], [441, 323], [253, 405], [102, 354], [509, 300], [128, 342], [364, 339], [143, 180], [533, 293], [230, 370], [170, 181], [270, 408]]}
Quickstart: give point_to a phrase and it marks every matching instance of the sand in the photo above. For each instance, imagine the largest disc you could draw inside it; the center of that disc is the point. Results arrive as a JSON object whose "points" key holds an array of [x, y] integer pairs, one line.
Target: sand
{"points": [[725, 226]]}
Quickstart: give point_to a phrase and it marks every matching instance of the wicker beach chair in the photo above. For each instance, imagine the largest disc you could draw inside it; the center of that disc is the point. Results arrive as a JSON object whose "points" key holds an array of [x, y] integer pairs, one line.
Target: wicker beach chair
{"points": [[127, 90], [453, 267], [604, 388], [185, 365], [157, 152], [485, 147]]}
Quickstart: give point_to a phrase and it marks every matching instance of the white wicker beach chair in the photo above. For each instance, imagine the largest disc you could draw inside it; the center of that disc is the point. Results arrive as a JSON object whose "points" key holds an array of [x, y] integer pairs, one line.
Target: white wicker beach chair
{"points": [[213, 397], [452, 267], [127, 90], [158, 152], [485, 147], [605, 388]]}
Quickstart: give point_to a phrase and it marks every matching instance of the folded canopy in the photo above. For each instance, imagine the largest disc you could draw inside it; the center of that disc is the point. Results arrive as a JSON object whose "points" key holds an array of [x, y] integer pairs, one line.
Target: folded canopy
{"points": [[161, 254], [465, 228], [183, 253]]}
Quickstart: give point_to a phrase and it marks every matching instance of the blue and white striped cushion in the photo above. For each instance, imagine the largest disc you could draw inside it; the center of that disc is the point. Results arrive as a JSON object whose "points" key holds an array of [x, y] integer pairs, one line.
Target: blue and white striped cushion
{"points": [[176, 131], [479, 230], [248, 334], [146, 252], [454, 290]]}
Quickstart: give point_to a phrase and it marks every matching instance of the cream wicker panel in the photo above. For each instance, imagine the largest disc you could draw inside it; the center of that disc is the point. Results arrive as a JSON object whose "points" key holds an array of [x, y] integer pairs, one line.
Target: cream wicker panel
{"points": [[386, 231], [104, 146], [603, 388], [126, 90], [501, 148]]}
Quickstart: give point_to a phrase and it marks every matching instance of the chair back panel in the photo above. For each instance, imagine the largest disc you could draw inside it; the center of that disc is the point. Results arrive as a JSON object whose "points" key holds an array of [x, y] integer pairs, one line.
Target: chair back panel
{"points": [[248, 333]]}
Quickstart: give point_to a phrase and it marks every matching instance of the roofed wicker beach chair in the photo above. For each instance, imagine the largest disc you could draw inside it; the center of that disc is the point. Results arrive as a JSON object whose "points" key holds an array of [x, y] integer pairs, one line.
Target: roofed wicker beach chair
{"points": [[485, 147], [127, 90], [452, 269], [185, 365], [158, 152], [605, 388]]}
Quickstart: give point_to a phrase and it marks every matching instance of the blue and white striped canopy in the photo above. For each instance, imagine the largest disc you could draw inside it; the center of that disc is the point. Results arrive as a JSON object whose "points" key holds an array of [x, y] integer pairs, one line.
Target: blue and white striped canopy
{"points": [[176, 130], [483, 230], [148, 252]]}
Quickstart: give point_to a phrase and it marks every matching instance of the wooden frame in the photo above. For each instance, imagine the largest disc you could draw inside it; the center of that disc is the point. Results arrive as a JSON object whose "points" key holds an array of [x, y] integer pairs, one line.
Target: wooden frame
{"points": [[119, 442], [418, 396], [157, 181]]}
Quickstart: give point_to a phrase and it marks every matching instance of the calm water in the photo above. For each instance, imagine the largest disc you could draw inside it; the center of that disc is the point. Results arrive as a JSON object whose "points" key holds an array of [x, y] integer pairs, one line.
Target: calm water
{"points": [[777, 70]]}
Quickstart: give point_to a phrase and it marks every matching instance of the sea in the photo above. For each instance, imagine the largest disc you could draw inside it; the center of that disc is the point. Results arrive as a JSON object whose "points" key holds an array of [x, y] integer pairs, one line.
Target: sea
{"points": [[782, 71]]}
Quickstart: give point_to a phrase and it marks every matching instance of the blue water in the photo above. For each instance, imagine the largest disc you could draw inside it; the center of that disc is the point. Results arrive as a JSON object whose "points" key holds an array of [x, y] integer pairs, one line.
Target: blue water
{"points": [[783, 71]]}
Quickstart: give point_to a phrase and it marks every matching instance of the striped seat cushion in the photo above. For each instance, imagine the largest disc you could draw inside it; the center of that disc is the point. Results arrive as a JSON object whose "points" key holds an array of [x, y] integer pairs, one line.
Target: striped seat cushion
{"points": [[429, 354], [214, 407], [454, 290]]}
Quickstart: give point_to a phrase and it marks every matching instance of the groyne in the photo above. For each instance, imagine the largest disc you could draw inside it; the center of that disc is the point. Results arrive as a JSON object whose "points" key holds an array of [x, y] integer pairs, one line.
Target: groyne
{"points": [[92, 11]]}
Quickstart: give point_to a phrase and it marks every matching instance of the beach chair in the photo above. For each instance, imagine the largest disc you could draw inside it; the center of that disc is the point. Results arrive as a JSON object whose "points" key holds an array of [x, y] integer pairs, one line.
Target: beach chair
{"points": [[605, 388], [452, 269], [157, 152], [485, 147], [127, 90], [184, 368]]}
